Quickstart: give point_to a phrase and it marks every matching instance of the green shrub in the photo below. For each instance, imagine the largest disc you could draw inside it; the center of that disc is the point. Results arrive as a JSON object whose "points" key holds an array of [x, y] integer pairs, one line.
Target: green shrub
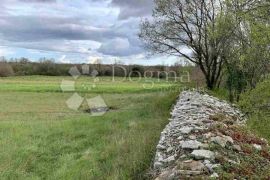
{"points": [[258, 99], [256, 103]]}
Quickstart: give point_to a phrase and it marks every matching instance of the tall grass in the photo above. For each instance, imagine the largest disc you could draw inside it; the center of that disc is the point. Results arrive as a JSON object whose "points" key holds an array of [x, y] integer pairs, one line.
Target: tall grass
{"points": [[256, 103], [40, 138]]}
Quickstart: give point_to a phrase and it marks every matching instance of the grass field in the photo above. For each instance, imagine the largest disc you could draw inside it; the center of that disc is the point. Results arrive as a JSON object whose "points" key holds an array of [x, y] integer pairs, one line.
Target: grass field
{"points": [[103, 84], [42, 139]]}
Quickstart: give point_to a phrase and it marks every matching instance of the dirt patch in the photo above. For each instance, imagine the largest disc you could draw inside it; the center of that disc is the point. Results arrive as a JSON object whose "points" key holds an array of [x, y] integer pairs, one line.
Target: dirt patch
{"points": [[100, 109], [97, 110]]}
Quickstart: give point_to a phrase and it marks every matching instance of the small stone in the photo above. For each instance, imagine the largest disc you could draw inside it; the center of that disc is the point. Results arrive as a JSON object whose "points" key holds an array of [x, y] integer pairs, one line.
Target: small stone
{"points": [[258, 147], [164, 175], [264, 140], [206, 161], [208, 135], [192, 137], [219, 140], [186, 130], [196, 104], [188, 161], [210, 166], [170, 149], [214, 175], [159, 156], [237, 148], [192, 165], [191, 144], [159, 159], [205, 146], [229, 139], [161, 147], [158, 165], [188, 172], [162, 138], [180, 138], [183, 156], [219, 134], [232, 162], [222, 141], [185, 107], [169, 159], [203, 154]]}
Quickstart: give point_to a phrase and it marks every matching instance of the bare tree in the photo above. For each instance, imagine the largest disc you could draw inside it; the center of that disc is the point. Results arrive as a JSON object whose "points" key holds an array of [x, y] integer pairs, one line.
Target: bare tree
{"points": [[201, 25]]}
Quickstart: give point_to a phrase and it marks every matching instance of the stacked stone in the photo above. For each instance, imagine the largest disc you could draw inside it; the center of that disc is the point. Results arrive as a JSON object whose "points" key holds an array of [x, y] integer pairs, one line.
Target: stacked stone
{"points": [[183, 149]]}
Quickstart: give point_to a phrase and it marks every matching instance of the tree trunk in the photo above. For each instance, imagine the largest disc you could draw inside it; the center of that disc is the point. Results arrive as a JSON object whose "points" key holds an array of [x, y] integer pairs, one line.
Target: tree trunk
{"points": [[210, 84]]}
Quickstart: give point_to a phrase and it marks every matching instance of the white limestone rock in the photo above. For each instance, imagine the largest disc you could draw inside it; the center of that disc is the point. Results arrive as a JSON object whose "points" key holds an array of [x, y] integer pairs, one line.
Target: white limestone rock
{"points": [[203, 154], [214, 175], [186, 130], [258, 147], [222, 141], [192, 144], [169, 159]]}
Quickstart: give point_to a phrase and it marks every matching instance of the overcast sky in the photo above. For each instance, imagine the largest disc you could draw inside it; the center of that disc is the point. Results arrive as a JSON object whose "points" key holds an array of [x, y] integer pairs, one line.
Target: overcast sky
{"points": [[75, 31]]}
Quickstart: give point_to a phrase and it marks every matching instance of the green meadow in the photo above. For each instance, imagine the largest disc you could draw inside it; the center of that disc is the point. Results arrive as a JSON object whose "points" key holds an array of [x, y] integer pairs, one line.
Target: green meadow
{"points": [[85, 84], [41, 138]]}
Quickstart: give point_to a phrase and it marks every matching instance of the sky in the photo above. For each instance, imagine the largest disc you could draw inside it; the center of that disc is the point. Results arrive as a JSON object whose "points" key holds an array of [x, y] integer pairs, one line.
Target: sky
{"points": [[78, 31]]}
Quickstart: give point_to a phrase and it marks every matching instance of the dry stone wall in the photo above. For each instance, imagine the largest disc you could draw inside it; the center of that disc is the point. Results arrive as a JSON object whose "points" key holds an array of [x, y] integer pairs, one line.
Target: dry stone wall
{"points": [[184, 147]]}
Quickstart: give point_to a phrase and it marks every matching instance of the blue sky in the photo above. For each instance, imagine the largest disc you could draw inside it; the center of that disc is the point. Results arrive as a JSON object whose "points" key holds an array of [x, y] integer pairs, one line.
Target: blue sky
{"points": [[76, 31]]}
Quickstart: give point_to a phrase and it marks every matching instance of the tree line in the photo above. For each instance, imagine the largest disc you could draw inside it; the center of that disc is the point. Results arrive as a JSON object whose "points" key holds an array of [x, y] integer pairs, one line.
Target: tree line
{"points": [[48, 67]]}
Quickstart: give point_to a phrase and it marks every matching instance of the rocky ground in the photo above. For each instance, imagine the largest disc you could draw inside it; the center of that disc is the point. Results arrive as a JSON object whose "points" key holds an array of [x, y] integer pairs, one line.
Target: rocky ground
{"points": [[207, 138]]}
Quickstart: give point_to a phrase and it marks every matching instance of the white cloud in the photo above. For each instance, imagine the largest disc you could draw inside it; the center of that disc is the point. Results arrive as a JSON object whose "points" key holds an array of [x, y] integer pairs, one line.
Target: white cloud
{"points": [[117, 46], [94, 60], [76, 31], [5, 51]]}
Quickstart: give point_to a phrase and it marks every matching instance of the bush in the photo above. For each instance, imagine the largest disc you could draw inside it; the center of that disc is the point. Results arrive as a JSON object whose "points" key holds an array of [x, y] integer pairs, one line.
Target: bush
{"points": [[22, 67], [257, 99], [256, 103], [48, 67], [5, 70], [137, 71]]}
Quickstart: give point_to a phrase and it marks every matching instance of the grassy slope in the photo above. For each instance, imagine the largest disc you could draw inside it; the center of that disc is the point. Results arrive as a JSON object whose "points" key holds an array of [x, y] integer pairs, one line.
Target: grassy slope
{"points": [[40, 138], [257, 104]]}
